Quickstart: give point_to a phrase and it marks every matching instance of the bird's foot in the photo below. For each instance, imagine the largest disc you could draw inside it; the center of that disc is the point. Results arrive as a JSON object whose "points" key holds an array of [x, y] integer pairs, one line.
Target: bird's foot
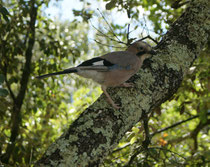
{"points": [[127, 85], [109, 99], [113, 104], [116, 106]]}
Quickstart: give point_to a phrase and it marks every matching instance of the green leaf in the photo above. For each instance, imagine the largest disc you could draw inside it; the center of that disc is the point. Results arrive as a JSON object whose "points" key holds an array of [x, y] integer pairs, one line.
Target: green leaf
{"points": [[133, 140], [4, 13], [3, 92], [135, 130], [2, 78], [111, 5]]}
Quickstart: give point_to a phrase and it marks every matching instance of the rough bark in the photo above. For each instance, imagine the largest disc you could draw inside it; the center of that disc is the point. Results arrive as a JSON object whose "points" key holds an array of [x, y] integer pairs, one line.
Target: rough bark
{"points": [[99, 128]]}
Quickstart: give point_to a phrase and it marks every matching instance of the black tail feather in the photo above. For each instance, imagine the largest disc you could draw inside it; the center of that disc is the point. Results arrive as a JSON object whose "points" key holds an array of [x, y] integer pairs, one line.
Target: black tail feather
{"points": [[67, 71]]}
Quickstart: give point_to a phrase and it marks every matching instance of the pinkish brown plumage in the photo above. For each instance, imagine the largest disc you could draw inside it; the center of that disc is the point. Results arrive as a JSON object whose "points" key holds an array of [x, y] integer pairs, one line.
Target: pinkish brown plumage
{"points": [[112, 69]]}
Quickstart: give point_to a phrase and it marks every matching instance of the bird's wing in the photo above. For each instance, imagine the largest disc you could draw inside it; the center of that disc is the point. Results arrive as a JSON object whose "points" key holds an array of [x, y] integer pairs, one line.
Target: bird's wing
{"points": [[121, 58], [110, 61], [97, 64]]}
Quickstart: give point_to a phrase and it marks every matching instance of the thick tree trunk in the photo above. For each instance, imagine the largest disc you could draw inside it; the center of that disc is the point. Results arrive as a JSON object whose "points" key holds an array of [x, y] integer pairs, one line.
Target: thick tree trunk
{"points": [[99, 128]]}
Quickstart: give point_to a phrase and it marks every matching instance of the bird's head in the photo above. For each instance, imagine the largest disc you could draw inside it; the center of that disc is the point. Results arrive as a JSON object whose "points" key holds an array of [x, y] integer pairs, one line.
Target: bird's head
{"points": [[141, 48]]}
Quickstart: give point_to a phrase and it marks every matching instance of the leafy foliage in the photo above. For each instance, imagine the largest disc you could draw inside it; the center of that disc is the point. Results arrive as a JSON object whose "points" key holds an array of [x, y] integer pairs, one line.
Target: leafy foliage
{"points": [[4, 13], [3, 92], [55, 44]]}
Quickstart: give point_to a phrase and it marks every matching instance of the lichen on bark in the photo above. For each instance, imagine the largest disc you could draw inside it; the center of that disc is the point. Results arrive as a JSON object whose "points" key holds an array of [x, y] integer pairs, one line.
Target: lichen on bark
{"points": [[99, 128]]}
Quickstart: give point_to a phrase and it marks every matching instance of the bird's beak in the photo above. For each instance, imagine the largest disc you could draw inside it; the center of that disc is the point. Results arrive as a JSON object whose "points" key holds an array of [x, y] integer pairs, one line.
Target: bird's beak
{"points": [[152, 52]]}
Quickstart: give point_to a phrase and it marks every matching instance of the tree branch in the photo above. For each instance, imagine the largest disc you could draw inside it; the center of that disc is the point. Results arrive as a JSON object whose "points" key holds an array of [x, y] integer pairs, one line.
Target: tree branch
{"points": [[146, 141], [99, 128], [16, 113], [139, 150], [174, 125], [110, 27], [192, 134]]}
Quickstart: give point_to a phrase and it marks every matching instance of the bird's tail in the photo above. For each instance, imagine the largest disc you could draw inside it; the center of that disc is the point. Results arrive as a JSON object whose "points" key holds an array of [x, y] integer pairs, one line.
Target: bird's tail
{"points": [[67, 71]]}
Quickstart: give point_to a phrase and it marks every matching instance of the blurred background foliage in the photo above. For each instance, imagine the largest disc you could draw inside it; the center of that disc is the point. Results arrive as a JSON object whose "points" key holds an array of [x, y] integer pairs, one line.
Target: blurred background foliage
{"points": [[33, 113]]}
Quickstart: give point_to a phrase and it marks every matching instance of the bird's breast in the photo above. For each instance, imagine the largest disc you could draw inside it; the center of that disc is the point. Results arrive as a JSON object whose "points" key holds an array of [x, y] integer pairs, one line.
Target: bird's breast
{"points": [[117, 77], [92, 74]]}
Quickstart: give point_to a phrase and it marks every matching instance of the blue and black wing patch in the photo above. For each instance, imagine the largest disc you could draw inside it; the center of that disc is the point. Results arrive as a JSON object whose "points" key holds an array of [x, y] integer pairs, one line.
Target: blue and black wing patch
{"points": [[96, 62]]}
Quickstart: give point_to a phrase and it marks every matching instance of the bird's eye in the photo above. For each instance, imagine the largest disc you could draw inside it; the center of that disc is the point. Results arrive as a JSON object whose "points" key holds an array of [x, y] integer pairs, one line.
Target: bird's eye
{"points": [[141, 48]]}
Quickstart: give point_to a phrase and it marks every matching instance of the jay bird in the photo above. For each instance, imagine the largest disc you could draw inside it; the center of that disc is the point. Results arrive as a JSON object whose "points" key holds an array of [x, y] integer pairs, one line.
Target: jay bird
{"points": [[112, 69]]}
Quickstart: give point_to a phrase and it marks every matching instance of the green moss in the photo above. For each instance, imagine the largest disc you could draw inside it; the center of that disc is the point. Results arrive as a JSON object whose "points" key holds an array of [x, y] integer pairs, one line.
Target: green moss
{"points": [[71, 152], [52, 149]]}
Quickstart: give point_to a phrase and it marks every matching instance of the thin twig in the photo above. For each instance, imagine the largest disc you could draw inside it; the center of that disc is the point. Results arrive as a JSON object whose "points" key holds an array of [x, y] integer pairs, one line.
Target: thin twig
{"points": [[128, 33], [121, 148], [106, 44], [148, 36], [162, 130], [104, 35], [139, 150], [174, 125], [146, 25], [109, 25], [160, 148], [195, 132]]}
